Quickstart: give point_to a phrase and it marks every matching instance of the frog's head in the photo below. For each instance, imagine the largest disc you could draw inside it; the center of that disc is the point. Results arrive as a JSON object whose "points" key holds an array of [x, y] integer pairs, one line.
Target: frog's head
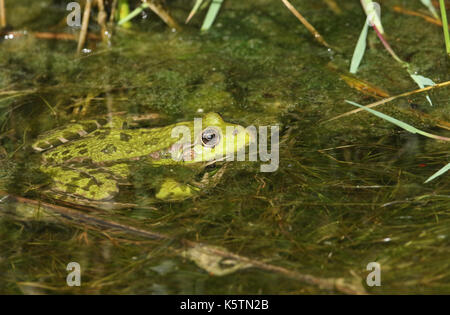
{"points": [[219, 139]]}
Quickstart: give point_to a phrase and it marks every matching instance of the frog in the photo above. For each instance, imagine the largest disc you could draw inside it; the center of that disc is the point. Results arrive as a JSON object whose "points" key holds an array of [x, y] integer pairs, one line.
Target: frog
{"points": [[88, 162]]}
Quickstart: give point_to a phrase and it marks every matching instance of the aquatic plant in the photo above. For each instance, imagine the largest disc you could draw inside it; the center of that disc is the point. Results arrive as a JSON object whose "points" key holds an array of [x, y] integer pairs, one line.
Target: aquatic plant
{"points": [[445, 26], [410, 129], [373, 19]]}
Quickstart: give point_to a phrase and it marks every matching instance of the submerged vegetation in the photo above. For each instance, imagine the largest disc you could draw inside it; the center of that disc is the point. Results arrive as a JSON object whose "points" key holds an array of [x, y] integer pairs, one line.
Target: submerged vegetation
{"points": [[350, 188]]}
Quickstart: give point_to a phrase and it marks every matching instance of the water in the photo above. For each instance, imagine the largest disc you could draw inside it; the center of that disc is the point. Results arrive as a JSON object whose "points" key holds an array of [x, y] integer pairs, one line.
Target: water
{"points": [[347, 192]]}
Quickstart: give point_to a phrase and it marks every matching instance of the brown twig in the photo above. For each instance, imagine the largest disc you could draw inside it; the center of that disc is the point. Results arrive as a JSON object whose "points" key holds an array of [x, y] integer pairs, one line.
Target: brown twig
{"points": [[48, 35], [418, 14], [102, 20], [310, 28], [113, 12], [84, 26], [162, 13], [329, 284], [2, 14]]}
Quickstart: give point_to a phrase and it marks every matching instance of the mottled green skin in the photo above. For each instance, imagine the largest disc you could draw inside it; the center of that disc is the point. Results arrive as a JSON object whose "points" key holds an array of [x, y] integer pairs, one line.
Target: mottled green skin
{"points": [[91, 166]]}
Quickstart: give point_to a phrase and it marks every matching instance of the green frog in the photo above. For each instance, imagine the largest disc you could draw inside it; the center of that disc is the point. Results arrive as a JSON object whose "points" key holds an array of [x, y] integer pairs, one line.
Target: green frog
{"points": [[89, 161]]}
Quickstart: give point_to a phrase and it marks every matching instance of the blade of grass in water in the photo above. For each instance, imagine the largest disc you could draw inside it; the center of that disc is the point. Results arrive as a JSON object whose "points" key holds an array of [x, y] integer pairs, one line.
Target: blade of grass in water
{"points": [[399, 123], [360, 49], [211, 15], [445, 26], [133, 14], [438, 173], [194, 10], [370, 8], [411, 129], [422, 82], [431, 8]]}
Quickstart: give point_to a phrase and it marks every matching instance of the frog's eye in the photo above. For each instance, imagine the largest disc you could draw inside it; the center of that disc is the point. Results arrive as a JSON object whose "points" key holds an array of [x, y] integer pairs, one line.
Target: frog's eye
{"points": [[210, 137]]}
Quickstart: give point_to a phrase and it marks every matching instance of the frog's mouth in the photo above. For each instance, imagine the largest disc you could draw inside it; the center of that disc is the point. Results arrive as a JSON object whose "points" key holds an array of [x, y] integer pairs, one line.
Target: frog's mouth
{"points": [[182, 152]]}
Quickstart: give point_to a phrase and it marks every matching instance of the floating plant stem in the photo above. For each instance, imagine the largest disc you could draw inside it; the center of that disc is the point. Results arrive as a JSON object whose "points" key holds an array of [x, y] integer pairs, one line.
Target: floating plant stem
{"points": [[84, 25], [113, 11], [408, 128], [2, 14], [399, 123], [308, 26], [388, 47], [102, 20], [389, 99]]}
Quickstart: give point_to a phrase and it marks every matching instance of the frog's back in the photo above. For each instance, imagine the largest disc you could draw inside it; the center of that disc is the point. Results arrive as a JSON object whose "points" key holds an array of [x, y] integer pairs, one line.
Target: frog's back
{"points": [[106, 145]]}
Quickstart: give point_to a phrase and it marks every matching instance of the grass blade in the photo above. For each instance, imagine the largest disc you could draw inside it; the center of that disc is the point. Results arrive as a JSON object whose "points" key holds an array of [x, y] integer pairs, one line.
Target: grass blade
{"points": [[438, 173], [133, 14], [370, 8], [431, 8], [194, 10], [360, 49], [211, 15], [399, 123], [422, 82], [445, 26]]}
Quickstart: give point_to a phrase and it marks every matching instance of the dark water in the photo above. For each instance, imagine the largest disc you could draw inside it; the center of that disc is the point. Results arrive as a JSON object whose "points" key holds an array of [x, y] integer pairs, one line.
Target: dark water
{"points": [[347, 192]]}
